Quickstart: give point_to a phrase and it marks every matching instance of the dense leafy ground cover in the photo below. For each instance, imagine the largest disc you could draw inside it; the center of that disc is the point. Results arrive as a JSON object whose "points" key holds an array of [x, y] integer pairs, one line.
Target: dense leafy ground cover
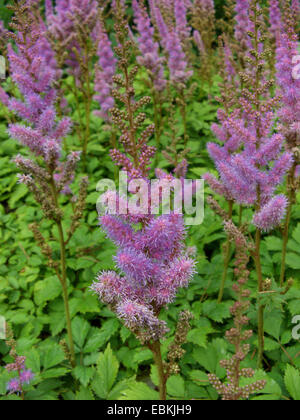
{"points": [[111, 363]]}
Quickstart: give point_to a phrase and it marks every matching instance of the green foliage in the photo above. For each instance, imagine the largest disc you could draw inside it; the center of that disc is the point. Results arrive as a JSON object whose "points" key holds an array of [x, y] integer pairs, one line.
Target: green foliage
{"points": [[111, 363]]}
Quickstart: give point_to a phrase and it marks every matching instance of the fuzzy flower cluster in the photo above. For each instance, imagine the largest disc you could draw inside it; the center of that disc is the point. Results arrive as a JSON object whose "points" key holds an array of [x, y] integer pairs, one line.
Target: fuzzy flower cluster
{"points": [[182, 27], [152, 262], [41, 132], [150, 58], [67, 22], [152, 265], [105, 71], [25, 376], [242, 22], [172, 44], [275, 18], [288, 79], [250, 161]]}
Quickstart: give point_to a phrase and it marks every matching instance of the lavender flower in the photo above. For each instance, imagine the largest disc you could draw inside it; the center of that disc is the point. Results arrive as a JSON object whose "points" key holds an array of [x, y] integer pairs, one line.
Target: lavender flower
{"points": [[171, 42], [105, 71], [24, 376], [242, 23], [42, 133], [148, 47], [180, 12], [67, 23], [289, 114], [14, 386], [152, 262], [271, 214], [250, 162], [275, 18]]}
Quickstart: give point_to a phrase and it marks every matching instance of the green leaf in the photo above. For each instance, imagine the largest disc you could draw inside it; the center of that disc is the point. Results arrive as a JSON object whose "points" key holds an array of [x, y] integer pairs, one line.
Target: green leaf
{"points": [[125, 333], [217, 311], [139, 391], [210, 358], [175, 386], [107, 370], [273, 243], [118, 389], [52, 356], [199, 336], [83, 374], [143, 356], [97, 340], [84, 394], [19, 193], [46, 290], [273, 322], [80, 330], [293, 261], [292, 382], [199, 377], [54, 373]]}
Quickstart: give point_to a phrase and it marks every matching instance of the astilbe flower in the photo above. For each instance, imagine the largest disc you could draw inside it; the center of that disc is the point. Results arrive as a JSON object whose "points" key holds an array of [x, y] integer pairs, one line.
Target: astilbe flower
{"points": [[250, 162], [275, 18], [289, 85], [238, 336], [295, 7], [42, 133], [152, 261], [182, 27], [150, 58], [153, 264], [48, 174], [24, 376], [171, 42], [70, 24], [203, 22], [105, 71], [242, 22], [271, 214]]}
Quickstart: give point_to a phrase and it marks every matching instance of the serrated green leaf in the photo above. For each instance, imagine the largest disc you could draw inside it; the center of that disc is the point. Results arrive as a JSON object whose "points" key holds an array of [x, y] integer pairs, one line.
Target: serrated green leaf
{"points": [[107, 370], [80, 330], [176, 387], [52, 356], [139, 391], [292, 382], [84, 374], [84, 394]]}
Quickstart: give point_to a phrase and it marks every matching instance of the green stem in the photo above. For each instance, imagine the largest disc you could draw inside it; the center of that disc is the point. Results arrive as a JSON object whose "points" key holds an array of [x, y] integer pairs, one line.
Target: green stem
{"points": [[65, 292], [261, 308], [241, 216], [63, 278], [157, 121], [156, 351], [287, 225], [88, 101], [226, 259], [183, 113]]}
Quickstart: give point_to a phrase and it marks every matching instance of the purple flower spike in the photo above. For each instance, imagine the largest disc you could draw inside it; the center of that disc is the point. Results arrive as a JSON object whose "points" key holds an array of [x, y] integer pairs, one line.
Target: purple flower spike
{"points": [[272, 214]]}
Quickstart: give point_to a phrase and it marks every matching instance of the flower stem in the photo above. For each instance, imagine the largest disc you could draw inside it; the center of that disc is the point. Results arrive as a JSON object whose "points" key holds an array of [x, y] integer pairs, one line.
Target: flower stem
{"points": [[65, 292], [261, 308], [63, 277], [226, 258], [88, 100], [291, 179], [156, 350]]}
